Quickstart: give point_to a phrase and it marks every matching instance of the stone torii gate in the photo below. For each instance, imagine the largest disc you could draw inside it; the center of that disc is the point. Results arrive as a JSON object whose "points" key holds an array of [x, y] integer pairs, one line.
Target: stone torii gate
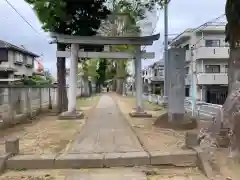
{"points": [[75, 53]]}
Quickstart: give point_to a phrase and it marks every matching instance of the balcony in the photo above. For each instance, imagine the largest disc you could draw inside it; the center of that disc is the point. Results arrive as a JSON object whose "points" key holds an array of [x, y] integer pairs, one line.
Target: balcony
{"points": [[212, 78], [212, 53], [6, 66]]}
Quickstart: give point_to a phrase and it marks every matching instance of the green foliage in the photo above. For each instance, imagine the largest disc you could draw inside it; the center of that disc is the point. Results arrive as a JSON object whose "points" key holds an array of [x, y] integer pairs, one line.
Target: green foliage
{"points": [[89, 68], [150, 4], [36, 80], [69, 16], [101, 70], [92, 68]]}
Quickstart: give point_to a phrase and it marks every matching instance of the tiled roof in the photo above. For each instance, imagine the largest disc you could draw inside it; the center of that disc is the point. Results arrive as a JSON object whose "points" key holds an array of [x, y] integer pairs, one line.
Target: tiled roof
{"points": [[4, 44]]}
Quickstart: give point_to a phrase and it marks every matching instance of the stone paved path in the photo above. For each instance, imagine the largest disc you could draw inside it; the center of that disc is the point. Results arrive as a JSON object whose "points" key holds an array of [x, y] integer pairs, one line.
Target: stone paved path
{"points": [[106, 131]]}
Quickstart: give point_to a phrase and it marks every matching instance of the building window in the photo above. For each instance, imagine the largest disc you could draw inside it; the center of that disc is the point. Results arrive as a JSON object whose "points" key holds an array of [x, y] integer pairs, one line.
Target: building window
{"points": [[25, 59], [186, 70], [212, 43], [212, 68], [186, 47], [155, 72], [17, 57], [14, 56], [20, 58]]}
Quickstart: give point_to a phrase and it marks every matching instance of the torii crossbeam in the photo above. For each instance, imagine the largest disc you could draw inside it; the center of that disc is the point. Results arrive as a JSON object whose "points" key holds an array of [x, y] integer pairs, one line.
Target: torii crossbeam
{"points": [[74, 53]]}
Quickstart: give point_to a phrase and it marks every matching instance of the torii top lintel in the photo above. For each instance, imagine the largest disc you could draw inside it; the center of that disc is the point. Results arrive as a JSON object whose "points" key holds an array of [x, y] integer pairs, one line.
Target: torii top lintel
{"points": [[104, 40]]}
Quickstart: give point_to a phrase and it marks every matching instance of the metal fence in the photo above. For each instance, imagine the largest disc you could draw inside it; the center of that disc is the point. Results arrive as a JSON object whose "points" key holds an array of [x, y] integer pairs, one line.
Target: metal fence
{"points": [[203, 109]]}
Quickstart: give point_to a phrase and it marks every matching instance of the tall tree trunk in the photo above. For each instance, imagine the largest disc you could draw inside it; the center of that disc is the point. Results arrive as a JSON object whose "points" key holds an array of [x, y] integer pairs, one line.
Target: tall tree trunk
{"points": [[85, 86], [114, 85], [230, 114], [228, 118], [120, 76], [61, 79]]}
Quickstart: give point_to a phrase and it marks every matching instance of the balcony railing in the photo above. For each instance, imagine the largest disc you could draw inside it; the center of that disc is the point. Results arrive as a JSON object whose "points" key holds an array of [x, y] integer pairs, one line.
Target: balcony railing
{"points": [[208, 78], [212, 78], [212, 52]]}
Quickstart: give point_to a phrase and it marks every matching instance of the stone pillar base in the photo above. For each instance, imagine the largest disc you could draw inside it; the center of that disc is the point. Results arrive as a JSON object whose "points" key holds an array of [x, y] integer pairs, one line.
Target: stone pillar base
{"points": [[140, 114], [176, 121], [71, 115], [176, 117]]}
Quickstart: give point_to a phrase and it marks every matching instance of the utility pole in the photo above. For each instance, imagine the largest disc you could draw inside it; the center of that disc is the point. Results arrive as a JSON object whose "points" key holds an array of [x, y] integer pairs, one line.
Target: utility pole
{"points": [[194, 82], [166, 63]]}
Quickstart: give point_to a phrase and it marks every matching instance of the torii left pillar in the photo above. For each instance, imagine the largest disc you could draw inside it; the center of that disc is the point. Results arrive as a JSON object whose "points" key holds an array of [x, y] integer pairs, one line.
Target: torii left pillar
{"points": [[139, 111], [72, 113]]}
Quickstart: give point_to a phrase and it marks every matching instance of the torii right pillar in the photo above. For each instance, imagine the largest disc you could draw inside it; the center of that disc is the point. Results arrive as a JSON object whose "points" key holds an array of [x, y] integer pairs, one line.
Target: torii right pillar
{"points": [[139, 110]]}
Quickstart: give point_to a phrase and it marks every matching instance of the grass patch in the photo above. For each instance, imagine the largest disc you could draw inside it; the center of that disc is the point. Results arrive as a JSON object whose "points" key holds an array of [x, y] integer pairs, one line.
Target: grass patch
{"points": [[146, 104], [88, 101]]}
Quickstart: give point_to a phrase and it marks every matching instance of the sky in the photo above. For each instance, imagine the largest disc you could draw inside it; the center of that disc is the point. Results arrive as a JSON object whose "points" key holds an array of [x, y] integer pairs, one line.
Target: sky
{"points": [[182, 14]]}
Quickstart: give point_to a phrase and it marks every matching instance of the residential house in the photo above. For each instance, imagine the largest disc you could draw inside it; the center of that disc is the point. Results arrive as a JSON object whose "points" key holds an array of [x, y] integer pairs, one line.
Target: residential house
{"points": [[206, 54], [15, 62], [153, 78]]}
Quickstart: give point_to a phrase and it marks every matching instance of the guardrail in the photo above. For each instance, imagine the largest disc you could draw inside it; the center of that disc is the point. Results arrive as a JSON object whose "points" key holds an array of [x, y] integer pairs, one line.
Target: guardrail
{"points": [[203, 109]]}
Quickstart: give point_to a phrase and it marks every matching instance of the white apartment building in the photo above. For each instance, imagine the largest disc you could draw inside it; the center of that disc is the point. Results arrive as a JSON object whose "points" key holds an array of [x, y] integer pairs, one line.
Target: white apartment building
{"points": [[207, 54]]}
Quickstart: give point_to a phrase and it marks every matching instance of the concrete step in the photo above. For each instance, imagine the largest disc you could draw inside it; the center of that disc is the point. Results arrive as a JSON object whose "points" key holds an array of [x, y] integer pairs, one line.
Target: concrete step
{"points": [[74, 161], [139, 173]]}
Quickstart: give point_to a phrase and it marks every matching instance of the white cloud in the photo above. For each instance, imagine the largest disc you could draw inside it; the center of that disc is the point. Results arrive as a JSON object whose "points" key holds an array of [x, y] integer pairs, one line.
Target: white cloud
{"points": [[182, 15]]}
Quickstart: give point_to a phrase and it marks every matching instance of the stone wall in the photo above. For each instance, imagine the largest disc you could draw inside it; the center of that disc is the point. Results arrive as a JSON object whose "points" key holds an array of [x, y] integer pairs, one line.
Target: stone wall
{"points": [[17, 104]]}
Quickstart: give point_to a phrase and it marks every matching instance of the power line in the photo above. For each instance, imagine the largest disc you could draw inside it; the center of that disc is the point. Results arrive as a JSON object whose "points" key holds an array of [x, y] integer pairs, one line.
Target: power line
{"points": [[204, 25], [11, 5], [21, 16], [201, 27]]}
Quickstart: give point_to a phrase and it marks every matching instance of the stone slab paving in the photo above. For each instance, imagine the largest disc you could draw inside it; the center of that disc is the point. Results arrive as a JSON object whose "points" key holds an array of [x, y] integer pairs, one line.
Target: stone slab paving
{"points": [[106, 131]]}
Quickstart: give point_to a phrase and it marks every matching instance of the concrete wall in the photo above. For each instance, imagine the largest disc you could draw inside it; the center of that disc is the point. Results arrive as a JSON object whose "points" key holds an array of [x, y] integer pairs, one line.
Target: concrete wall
{"points": [[20, 104]]}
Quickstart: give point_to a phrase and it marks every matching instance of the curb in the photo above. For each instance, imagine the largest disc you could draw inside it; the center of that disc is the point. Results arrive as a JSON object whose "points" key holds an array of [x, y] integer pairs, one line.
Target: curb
{"points": [[205, 166], [76, 161]]}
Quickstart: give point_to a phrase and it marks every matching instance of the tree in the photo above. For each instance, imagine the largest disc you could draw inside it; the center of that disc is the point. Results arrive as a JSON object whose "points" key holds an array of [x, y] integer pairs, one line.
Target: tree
{"points": [[101, 70], [88, 71], [228, 116], [73, 18], [122, 22]]}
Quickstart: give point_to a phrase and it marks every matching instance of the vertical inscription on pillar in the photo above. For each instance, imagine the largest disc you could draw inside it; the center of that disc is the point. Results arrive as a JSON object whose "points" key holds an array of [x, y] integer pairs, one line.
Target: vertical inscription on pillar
{"points": [[177, 81]]}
